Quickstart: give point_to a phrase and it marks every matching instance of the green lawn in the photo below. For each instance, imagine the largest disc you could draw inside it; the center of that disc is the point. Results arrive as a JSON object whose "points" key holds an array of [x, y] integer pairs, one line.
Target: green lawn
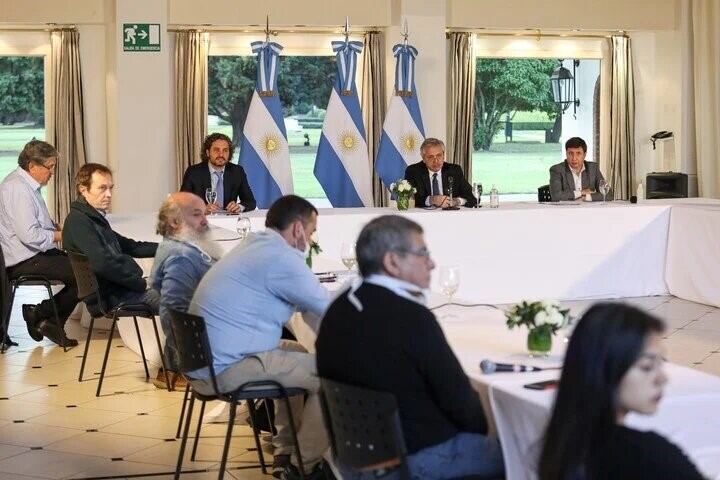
{"points": [[12, 140]]}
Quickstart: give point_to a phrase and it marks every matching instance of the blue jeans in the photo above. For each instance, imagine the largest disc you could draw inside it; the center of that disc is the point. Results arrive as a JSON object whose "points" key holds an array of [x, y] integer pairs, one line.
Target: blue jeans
{"points": [[463, 455]]}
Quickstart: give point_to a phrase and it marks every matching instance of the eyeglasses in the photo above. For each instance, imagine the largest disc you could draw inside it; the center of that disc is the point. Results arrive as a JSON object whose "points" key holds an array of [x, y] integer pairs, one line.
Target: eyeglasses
{"points": [[419, 252], [46, 167]]}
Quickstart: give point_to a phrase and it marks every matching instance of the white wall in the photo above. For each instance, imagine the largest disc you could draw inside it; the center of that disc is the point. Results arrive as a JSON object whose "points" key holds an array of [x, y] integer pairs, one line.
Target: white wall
{"points": [[580, 124]]}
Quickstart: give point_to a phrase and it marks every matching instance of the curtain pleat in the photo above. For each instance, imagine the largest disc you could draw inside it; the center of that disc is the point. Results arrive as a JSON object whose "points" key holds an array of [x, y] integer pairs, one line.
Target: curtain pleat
{"points": [[622, 119], [67, 134], [373, 104], [191, 101], [461, 100]]}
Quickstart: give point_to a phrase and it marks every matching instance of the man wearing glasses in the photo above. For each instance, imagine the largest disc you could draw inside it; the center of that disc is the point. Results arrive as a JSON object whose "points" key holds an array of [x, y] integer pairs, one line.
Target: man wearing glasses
{"points": [[29, 238], [435, 180], [379, 335]]}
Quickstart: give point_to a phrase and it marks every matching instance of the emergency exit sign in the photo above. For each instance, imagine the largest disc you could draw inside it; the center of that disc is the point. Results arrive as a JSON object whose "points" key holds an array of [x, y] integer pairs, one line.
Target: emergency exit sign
{"points": [[141, 37]]}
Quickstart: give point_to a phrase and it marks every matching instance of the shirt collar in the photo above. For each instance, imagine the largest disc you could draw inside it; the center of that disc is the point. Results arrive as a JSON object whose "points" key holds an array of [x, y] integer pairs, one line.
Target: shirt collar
{"points": [[582, 169], [28, 179], [213, 170], [399, 287]]}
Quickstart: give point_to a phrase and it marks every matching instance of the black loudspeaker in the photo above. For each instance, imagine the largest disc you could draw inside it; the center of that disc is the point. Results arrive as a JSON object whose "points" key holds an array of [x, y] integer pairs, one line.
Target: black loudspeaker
{"points": [[666, 185]]}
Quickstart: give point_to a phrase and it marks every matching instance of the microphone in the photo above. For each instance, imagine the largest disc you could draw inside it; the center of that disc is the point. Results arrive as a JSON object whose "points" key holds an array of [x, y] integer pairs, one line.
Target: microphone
{"points": [[488, 366]]}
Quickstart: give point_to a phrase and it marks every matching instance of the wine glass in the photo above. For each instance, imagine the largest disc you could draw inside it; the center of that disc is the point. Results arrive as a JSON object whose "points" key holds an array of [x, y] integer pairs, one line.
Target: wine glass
{"points": [[477, 191], [347, 255], [243, 227], [449, 283], [210, 195], [604, 189]]}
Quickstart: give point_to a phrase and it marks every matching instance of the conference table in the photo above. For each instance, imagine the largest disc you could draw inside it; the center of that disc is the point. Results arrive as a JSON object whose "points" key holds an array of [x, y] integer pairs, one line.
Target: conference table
{"points": [[539, 251]]}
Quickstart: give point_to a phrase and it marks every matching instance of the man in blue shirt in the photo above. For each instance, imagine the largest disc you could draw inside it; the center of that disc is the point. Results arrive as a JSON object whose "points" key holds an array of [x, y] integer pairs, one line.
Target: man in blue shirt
{"points": [[29, 237], [245, 299], [183, 257]]}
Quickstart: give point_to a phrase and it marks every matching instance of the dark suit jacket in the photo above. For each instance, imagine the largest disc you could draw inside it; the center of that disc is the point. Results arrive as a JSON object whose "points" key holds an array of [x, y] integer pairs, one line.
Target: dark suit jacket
{"points": [[111, 255], [235, 184], [562, 184], [417, 175]]}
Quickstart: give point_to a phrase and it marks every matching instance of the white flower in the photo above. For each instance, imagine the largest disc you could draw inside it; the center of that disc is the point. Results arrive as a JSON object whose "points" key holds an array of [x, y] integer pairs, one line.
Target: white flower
{"points": [[550, 305], [541, 318], [404, 187], [392, 186], [555, 317]]}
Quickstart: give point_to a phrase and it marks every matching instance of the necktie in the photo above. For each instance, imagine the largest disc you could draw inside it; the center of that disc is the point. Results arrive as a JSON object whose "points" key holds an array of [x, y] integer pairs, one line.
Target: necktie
{"points": [[220, 200], [435, 185]]}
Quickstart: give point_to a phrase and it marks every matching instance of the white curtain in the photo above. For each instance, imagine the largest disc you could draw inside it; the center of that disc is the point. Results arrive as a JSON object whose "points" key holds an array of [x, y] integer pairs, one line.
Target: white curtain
{"points": [[622, 119], [706, 75], [191, 101], [373, 103], [461, 101]]}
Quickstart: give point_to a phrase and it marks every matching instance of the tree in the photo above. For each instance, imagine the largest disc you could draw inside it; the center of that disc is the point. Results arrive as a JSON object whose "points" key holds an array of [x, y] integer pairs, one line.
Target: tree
{"points": [[22, 96], [505, 86], [302, 82]]}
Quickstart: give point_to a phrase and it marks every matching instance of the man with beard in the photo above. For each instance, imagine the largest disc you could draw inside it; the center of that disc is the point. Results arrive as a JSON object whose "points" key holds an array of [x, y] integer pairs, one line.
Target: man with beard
{"points": [[216, 172], [182, 259]]}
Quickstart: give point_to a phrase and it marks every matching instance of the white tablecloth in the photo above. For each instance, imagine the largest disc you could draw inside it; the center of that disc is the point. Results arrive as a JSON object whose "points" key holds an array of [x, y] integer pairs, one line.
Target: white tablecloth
{"points": [[693, 261]]}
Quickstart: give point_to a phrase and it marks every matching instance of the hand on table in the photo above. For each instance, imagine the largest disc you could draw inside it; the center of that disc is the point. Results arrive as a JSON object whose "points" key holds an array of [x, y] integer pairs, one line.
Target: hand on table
{"points": [[234, 207], [439, 201], [212, 208]]}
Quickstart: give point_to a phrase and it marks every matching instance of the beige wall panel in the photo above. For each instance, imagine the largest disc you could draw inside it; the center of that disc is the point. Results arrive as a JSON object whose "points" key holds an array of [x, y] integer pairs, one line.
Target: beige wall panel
{"points": [[564, 14], [52, 11]]}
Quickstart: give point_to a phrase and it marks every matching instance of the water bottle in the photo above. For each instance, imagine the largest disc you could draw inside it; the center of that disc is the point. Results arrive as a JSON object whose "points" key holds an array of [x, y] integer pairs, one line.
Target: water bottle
{"points": [[494, 198], [640, 192]]}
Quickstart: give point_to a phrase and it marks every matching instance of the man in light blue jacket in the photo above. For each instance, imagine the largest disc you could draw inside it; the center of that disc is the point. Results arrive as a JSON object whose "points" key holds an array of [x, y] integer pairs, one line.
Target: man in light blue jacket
{"points": [[245, 300], [182, 259]]}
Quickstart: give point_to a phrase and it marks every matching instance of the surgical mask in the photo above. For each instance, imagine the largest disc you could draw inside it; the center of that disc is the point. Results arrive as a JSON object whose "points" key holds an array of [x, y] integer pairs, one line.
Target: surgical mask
{"points": [[305, 251]]}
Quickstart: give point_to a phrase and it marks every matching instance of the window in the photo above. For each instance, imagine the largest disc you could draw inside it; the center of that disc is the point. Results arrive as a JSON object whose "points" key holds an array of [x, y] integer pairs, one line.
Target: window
{"points": [[22, 106], [304, 83]]}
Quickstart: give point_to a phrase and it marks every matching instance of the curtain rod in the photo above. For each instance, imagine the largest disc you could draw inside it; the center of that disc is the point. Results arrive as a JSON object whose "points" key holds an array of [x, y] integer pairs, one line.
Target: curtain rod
{"points": [[537, 34], [48, 28], [259, 30]]}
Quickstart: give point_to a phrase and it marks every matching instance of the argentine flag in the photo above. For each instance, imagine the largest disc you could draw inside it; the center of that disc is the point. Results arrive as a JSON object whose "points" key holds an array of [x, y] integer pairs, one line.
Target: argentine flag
{"points": [[403, 131], [264, 152], [342, 166]]}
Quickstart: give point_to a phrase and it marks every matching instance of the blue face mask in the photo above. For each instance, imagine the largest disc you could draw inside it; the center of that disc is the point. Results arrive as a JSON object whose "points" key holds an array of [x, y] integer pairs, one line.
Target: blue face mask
{"points": [[305, 251]]}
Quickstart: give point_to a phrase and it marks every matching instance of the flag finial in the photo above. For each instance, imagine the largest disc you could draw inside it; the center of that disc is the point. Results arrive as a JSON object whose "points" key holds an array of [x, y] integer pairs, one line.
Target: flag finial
{"points": [[347, 28], [267, 28], [405, 32]]}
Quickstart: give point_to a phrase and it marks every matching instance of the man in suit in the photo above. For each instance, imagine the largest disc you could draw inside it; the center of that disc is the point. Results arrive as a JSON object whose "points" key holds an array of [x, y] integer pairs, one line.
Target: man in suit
{"points": [[433, 178], [226, 179], [575, 178]]}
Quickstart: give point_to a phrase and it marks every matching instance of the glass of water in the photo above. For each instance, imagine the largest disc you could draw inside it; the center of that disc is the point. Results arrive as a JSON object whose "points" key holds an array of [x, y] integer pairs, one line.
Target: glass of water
{"points": [[604, 189], [243, 227], [449, 284], [347, 255], [210, 195], [478, 191]]}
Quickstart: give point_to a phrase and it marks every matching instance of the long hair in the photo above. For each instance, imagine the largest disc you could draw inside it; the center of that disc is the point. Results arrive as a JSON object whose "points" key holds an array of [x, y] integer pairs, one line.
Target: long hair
{"points": [[606, 342]]}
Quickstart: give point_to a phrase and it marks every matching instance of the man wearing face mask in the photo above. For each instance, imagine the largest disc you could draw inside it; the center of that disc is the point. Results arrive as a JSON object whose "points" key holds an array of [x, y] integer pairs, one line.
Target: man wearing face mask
{"points": [[246, 299]]}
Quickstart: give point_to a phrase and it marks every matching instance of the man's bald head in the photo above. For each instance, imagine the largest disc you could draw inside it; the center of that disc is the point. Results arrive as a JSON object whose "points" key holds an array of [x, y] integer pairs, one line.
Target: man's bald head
{"points": [[181, 208]]}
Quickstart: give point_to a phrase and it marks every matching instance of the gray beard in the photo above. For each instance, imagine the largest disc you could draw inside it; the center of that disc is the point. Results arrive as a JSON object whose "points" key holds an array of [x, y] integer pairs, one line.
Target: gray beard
{"points": [[201, 240]]}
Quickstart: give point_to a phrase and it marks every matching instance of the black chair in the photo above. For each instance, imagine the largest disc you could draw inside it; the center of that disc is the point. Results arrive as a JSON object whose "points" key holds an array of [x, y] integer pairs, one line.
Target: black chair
{"points": [[364, 428], [8, 289], [194, 351], [544, 194], [89, 294]]}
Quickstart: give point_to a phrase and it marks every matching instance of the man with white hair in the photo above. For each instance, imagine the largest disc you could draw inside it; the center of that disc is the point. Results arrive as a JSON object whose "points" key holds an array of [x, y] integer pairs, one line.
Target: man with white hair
{"points": [[183, 257]]}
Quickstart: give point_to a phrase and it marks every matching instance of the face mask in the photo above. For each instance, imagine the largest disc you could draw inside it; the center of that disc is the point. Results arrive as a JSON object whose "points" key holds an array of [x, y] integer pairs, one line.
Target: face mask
{"points": [[304, 252]]}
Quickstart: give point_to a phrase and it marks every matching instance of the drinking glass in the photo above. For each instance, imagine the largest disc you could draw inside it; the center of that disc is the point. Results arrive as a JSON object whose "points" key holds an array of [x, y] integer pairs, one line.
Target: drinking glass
{"points": [[477, 191], [449, 284], [604, 189], [210, 195], [347, 255], [243, 227]]}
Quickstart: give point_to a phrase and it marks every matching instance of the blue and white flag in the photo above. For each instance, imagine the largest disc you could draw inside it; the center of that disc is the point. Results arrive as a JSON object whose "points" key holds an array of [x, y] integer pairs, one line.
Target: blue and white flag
{"points": [[403, 131], [264, 153], [342, 166]]}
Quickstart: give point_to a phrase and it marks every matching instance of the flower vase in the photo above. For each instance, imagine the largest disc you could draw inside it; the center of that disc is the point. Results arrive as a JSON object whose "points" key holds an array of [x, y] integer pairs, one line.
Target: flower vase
{"points": [[403, 202], [539, 342]]}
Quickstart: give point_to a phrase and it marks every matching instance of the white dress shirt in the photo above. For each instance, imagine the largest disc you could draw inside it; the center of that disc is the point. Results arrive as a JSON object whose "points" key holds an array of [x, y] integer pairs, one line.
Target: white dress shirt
{"points": [[26, 227], [461, 201], [577, 177]]}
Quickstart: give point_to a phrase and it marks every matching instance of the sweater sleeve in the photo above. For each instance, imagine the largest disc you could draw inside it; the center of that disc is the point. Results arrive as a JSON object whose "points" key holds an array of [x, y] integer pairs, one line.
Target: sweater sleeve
{"points": [[446, 380], [663, 460]]}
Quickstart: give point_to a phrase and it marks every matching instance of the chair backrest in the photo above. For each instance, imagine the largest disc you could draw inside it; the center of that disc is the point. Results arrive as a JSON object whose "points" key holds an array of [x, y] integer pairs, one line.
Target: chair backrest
{"points": [[87, 284], [544, 194], [364, 427], [193, 345], [5, 290]]}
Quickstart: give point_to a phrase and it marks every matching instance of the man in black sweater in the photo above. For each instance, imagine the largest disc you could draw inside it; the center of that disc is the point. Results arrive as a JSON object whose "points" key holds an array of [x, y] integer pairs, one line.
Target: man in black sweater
{"points": [[380, 335], [111, 255]]}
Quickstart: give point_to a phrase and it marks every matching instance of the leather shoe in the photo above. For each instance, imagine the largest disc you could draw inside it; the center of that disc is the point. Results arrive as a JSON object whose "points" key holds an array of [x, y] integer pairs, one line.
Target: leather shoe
{"points": [[32, 321], [56, 334]]}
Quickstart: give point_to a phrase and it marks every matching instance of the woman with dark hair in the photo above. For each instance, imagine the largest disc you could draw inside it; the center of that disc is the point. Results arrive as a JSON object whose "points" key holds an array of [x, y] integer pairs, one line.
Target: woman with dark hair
{"points": [[613, 366]]}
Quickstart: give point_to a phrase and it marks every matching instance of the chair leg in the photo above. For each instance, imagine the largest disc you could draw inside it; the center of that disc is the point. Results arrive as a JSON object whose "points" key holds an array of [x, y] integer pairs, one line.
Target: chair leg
{"points": [[301, 467], [87, 347], [142, 350], [197, 432], [256, 434], [55, 313], [107, 354], [162, 358], [6, 319], [183, 442], [182, 410], [228, 437]]}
